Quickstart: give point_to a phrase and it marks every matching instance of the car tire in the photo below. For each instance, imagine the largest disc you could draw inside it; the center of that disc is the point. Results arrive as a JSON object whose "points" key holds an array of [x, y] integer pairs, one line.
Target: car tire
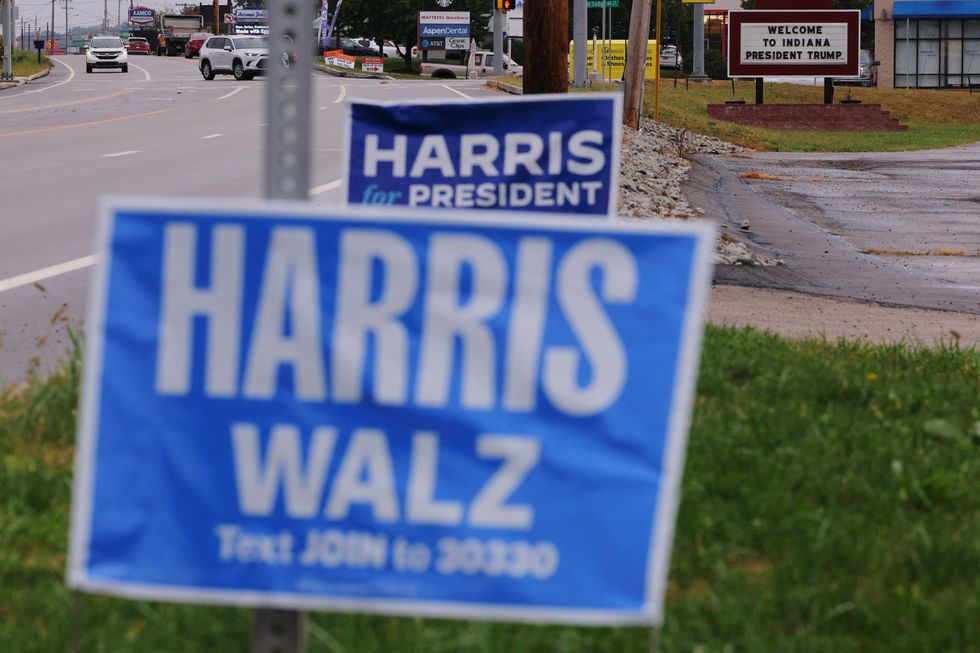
{"points": [[238, 70], [249, 76], [125, 67], [88, 68], [206, 70]]}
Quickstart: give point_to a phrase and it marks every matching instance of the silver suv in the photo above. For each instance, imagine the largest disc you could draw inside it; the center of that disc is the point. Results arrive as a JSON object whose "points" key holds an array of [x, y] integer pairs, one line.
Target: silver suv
{"points": [[106, 52], [241, 56]]}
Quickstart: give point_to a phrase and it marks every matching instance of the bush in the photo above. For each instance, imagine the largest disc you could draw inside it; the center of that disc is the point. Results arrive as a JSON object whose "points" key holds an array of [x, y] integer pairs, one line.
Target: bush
{"points": [[715, 65]]}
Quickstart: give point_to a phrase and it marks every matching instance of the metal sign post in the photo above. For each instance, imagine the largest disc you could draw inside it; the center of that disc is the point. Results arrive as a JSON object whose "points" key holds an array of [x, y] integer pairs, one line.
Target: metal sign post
{"points": [[287, 176]]}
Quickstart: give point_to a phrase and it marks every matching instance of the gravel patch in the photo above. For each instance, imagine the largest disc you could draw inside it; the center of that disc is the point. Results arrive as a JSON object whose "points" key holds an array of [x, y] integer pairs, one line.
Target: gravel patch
{"points": [[653, 167]]}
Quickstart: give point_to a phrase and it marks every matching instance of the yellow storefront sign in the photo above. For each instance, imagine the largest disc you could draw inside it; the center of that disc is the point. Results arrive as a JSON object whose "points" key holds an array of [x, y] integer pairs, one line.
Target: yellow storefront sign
{"points": [[615, 57]]}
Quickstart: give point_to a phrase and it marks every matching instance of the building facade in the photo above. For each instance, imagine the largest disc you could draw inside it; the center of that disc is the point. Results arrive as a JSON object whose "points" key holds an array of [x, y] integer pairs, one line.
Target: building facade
{"points": [[927, 43]]}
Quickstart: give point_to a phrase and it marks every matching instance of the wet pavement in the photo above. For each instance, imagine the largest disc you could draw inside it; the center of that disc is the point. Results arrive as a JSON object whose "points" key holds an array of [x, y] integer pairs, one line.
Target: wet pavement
{"points": [[898, 228]]}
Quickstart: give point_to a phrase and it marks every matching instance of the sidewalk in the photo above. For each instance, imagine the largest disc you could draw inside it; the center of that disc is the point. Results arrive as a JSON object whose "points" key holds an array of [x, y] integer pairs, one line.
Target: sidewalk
{"points": [[18, 81]]}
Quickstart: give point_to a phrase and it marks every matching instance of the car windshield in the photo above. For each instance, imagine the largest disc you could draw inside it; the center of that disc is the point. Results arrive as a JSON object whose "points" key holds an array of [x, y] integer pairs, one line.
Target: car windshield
{"points": [[106, 43], [137, 41], [246, 42], [865, 57]]}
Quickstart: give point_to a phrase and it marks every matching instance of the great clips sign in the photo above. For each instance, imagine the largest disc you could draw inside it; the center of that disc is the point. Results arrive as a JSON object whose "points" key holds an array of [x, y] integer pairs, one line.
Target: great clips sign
{"points": [[141, 15], [794, 43]]}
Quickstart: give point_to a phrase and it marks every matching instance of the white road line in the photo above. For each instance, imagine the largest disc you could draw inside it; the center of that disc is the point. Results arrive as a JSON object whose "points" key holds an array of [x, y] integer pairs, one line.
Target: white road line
{"points": [[459, 93], [115, 154], [210, 136], [87, 261], [71, 76], [228, 95], [343, 94], [46, 273], [317, 190], [323, 108], [145, 72]]}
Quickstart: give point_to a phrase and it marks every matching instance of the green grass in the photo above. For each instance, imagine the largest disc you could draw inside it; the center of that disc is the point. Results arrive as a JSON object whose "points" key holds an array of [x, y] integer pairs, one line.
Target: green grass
{"points": [[25, 63], [935, 118], [831, 504]]}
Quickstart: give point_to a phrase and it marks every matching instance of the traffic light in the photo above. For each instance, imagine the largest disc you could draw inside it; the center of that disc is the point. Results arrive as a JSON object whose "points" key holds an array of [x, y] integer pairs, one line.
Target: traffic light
{"points": [[503, 6]]}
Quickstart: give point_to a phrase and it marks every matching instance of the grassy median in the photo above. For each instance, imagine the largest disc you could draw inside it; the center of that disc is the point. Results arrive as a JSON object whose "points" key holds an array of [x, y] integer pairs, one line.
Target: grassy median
{"points": [[831, 504], [25, 64]]}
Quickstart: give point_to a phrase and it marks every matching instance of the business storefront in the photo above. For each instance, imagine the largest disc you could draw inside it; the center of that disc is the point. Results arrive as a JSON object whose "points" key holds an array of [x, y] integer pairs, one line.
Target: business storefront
{"points": [[928, 43]]}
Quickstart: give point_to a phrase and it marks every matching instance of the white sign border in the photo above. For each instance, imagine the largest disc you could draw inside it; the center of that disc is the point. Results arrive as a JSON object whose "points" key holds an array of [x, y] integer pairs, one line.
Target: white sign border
{"points": [[617, 144], [728, 36], [659, 552]]}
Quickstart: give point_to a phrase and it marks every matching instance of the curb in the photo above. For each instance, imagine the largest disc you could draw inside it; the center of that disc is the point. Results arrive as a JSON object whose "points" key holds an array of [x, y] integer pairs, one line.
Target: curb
{"points": [[43, 73], [341, 73], [505, 87]]}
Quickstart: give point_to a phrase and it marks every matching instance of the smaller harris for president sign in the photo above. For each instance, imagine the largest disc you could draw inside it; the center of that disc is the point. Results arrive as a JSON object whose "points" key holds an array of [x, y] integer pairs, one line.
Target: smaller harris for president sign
{"points": [[542, 154]]}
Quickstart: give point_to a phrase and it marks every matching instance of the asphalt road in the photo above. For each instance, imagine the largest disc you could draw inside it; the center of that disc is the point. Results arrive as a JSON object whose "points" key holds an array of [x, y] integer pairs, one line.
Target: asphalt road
{"points": [[71, 138], [896, 228]]}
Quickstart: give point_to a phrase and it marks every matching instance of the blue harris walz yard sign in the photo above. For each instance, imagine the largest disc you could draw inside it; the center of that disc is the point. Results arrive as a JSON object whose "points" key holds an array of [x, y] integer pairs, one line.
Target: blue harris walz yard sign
{"points": [[388, 411], [551, 154]]}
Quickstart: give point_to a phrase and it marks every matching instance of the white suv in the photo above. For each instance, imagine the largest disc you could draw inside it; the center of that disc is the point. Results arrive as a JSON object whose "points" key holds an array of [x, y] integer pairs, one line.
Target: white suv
{"points": [[106, 52], [241, 56]]}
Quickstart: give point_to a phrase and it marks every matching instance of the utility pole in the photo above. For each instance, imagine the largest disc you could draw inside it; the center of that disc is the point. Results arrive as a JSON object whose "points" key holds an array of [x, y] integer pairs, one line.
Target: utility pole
{"points": [[498, 39], [546, 46], [67, 33], [105, 16], [52, 26], [636, 59], [580, 34], [697, 71], [8, 70]]}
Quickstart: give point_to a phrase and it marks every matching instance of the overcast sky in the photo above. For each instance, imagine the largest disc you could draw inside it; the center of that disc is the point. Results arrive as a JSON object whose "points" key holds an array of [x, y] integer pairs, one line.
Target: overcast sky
{"points": [[84, 12]]}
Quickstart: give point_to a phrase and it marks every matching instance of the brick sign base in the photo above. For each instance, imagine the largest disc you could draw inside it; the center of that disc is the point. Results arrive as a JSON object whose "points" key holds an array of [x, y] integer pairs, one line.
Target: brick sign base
{"points": [[810, 117]]}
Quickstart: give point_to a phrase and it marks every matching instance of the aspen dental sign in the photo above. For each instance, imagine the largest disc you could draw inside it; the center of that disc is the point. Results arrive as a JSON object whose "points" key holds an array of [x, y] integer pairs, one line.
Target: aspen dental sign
{"points": [[792, 43], [550, 154], [406, 414]]}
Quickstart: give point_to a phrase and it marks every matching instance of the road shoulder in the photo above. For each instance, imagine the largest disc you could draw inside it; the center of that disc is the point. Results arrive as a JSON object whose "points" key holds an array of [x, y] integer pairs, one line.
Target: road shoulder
{"points": [[797, 315]]}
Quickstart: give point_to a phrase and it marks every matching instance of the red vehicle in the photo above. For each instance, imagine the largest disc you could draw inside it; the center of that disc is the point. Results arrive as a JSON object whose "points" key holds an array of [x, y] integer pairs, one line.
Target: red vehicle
{"points": [[137, 45], [194, 43]]}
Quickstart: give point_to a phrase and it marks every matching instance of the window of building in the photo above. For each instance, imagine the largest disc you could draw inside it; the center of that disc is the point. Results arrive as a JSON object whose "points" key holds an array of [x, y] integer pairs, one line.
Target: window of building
{"points": [[937, 53]]}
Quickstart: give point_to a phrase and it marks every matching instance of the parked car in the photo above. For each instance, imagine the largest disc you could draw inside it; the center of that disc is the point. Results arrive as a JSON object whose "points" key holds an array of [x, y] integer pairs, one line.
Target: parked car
{"points": [[137, 45], [241, 56], [670, 57], [390, 49], [479, 63], [193, 47], [106, 52], [867, 72], [352, 48]]}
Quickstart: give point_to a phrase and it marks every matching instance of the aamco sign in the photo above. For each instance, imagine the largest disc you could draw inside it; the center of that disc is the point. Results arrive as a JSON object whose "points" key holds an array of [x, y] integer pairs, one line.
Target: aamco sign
{"points": [[552, 154], [794, 43], [387, 412], [141, 15]]}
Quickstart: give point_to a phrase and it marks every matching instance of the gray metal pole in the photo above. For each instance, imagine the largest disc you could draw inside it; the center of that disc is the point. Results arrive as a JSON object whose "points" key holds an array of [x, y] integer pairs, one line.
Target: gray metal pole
{"points": [[603, 52], [498, 42], [580, 35], [287, 176], [287, 143], [8, 70], [698, 69]]}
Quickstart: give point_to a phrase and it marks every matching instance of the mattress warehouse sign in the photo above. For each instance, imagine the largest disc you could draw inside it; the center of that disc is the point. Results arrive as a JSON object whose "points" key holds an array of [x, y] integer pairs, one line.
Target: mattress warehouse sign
{"points": [[794, 43]]}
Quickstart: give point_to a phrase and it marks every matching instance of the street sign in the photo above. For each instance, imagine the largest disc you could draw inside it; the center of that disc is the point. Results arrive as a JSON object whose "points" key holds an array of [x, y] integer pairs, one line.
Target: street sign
{"points": [[460, 416], [601, 4], [511, 154], [794, 43]]}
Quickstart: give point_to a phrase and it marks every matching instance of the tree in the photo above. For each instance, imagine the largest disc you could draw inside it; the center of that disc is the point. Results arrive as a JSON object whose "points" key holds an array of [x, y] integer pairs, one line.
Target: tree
{"points": [[397, 21]]}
